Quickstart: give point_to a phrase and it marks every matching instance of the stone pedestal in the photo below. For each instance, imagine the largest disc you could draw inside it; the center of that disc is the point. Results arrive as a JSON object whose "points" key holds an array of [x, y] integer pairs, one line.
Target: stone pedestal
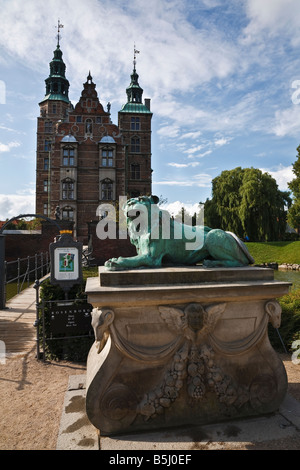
{"points": [[179, 346]]}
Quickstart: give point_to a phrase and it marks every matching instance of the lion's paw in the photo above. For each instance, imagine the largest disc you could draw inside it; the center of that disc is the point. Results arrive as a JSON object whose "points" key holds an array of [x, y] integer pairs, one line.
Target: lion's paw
{"points": [[113, 264]]}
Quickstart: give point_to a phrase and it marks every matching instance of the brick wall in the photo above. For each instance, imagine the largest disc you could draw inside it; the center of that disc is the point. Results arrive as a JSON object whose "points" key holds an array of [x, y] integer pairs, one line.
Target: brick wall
{"points": [[20, 245], [108, 248]]}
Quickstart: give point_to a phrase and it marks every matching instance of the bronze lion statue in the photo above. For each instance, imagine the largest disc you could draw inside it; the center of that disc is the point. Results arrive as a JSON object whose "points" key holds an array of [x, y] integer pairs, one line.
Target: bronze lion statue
{"points": [[161, 240]]}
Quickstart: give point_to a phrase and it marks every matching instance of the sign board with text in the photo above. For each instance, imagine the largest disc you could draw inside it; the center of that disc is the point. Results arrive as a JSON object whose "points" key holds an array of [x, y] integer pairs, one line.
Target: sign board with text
{"points": [[71, 320], [66, 262]]}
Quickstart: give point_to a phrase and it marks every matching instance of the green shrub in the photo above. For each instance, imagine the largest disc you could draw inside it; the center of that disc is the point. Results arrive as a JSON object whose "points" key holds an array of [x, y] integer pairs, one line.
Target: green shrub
{"points": [[290, 322]]}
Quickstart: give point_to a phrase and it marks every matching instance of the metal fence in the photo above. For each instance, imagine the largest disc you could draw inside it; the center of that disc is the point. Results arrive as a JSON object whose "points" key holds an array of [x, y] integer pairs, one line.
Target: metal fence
{"points": [[23, 271]]}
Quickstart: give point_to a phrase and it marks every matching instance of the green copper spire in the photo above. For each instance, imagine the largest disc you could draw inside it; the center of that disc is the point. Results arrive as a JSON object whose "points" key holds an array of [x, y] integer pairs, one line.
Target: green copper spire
{"points": [[134, 93], [57, 86]]}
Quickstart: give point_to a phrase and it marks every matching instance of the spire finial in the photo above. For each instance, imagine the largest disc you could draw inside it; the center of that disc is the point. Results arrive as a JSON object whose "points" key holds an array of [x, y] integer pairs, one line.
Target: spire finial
{"points": [[89, 77], [59, 27], [135, 51]]}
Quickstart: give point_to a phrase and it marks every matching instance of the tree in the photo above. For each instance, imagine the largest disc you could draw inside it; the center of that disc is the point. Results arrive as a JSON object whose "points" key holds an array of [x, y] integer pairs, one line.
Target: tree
{"points": [[247, 201], [294, 211]]}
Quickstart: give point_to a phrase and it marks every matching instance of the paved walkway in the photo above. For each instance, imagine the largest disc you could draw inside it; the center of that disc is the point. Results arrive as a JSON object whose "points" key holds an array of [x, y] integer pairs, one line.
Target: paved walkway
{"points": [[277, 431], [17, 323]]}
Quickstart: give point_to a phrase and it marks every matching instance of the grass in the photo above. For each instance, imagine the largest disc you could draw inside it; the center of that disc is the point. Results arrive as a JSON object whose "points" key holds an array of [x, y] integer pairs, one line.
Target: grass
{"points": [[12, 287], [275, 252]]}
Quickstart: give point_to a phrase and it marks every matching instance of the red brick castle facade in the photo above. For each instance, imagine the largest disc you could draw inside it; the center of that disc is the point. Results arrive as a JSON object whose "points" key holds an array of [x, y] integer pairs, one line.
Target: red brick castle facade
{"points": [[83, 159]]}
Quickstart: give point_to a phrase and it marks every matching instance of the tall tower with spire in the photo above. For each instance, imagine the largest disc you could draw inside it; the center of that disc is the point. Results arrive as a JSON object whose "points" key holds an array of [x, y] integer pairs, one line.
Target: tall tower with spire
{"points": [[134, 121], [54, 107]]}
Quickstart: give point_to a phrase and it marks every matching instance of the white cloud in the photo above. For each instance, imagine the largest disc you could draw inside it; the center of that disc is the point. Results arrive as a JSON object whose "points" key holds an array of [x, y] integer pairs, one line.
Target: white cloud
{"points": [[8, 147], [191, 135], [168, 131], [202, 180], [222, 141], [287, 122], [170, 45], [183, 165], [193, 150], [12, 205], [282, 174], [175, 207], [173, 183], [272, 17]]}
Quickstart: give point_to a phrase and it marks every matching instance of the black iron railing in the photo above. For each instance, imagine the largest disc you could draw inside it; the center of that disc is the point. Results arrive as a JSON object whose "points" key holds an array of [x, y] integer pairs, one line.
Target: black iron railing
{"points": [[20, 273]]}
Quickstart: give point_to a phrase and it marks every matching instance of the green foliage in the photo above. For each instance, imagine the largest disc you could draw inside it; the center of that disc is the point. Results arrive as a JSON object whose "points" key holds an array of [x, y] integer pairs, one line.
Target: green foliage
{"points": [[247, 201], [294, 186], [73, 349], [290, 321]]}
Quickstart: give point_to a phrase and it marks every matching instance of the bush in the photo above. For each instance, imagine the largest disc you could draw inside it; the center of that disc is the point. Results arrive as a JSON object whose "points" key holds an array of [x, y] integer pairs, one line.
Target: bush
{"points": [[290, 322]]}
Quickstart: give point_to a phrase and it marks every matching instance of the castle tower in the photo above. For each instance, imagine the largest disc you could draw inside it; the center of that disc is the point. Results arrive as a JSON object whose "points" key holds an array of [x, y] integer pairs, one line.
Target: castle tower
{"points": [[53, 108], [134, 121]]}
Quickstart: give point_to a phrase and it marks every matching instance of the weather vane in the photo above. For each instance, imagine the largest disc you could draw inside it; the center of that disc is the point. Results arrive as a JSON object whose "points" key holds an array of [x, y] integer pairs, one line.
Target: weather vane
{"points": [[134, 57], [59, 27]]}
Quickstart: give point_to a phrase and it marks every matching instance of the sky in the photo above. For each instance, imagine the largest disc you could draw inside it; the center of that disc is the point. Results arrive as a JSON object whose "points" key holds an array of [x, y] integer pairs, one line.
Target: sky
{"points": [[223, 77]]}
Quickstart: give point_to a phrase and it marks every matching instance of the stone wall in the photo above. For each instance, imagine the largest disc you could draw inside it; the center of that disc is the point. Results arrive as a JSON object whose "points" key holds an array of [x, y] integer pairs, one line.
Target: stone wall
{"points": [[294, 267]]}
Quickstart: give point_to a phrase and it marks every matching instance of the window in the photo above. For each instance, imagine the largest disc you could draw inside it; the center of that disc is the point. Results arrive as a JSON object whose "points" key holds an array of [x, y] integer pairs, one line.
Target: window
{"points": [[46, 163], [135, 123], [107, 190], [54, 108], [135, 145], [68, 213], [45, 186], [68, 189], [135, 171], [98, 119], [45, 208], [48, 126], [68, 156], [47, 146], [78, 118], [107, 157]]}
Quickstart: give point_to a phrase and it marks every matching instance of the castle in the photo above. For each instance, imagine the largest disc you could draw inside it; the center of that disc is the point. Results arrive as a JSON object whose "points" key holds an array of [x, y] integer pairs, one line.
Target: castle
{"points": [[83, 159]]}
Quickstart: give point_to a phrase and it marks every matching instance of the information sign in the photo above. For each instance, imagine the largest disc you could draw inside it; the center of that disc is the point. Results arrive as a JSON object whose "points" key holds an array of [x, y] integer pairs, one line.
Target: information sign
{"points": [[71, 320], [66, 261]]}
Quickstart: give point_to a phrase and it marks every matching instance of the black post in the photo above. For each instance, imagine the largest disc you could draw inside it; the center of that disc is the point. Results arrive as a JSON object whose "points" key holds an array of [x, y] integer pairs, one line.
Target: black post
{"points": [[37, 320], [2, 272]]}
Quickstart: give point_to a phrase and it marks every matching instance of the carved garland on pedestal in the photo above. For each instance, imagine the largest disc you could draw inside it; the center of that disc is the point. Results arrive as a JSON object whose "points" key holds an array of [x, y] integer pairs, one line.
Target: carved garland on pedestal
{"points": [[193, 358]]}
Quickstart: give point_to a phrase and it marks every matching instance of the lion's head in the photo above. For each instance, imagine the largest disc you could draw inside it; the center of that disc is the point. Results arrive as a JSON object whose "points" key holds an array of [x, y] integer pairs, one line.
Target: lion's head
{"points": [[138, 215]]}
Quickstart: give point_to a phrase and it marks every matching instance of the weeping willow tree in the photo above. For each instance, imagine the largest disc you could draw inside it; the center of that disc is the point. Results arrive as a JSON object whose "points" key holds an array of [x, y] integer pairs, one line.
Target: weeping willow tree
{"points": [[247, 201], [294, 185]]}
